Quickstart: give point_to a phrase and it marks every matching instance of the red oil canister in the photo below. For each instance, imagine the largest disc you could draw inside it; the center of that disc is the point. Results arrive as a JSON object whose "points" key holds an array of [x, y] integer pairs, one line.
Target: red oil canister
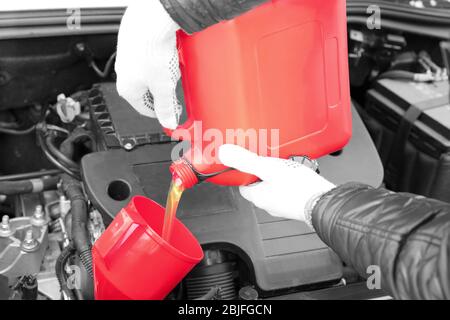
{"points": [[281, 66]]}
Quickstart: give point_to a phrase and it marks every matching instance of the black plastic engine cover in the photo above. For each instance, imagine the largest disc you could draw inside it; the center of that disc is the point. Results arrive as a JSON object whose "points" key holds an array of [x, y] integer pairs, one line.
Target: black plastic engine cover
{"points": [[116, 124], [282, 253]]}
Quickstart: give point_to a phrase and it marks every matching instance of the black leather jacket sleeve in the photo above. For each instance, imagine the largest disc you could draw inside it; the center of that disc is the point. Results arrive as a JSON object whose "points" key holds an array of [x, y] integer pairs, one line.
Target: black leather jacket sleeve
{"points": [[196, 15], [406, 236]]}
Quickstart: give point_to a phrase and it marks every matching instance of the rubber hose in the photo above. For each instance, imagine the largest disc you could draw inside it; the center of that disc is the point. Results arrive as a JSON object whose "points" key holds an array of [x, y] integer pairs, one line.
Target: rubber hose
{"points": [[52, 159], [79, 212], [9, 188], [50, 141], [30, 175], [59, 270], [67, 147], [18, 132]]}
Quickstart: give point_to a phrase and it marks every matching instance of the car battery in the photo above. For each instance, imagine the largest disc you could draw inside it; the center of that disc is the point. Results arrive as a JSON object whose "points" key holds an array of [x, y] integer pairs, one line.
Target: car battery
{"points": [[410, 125]]}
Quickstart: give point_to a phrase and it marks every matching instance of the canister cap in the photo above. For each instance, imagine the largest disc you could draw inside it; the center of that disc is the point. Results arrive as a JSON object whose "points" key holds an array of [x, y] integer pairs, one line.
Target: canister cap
{"points": [[182, 171]]}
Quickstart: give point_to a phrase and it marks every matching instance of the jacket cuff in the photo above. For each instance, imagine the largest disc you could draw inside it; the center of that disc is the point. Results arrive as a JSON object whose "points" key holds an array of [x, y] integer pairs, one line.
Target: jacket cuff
{"points": [[196, 15]]}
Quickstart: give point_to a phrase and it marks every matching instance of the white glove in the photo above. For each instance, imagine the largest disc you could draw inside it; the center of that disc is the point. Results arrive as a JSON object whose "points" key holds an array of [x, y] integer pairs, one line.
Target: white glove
{"points": [[147, 63], [287, 187]]}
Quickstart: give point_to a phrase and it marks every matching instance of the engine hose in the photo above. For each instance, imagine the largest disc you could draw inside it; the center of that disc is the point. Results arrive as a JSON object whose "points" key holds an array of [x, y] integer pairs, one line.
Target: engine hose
{"points": [[79, 213], [103, 74], [30, 175], [50, 141], [53, 160], [68, 146], [15, 132], [59, 270], [9, 188]]}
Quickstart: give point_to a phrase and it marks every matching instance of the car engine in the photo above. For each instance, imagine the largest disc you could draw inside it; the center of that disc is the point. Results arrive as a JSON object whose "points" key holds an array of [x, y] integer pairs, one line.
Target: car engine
{"points": [[73, 154]]}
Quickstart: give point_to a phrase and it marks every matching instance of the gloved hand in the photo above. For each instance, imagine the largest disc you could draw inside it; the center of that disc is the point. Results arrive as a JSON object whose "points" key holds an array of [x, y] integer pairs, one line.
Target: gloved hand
{"points": [[287, 190], [147, 62]]}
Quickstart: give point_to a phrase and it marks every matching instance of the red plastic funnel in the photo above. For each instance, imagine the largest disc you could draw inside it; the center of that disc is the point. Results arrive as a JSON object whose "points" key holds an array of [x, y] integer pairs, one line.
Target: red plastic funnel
{"points": [[132, 261]]}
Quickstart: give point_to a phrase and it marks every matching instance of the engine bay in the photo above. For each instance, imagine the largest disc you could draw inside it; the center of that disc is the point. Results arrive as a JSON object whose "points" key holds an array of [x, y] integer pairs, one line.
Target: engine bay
{"points": [[74, 153]]}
